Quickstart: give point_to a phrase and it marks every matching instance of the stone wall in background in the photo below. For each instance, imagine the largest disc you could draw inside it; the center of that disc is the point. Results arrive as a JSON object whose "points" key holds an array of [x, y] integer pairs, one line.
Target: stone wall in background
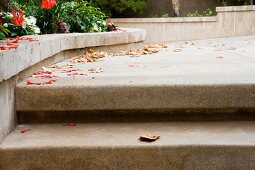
{"points": [[156, 8], [232, 21]]}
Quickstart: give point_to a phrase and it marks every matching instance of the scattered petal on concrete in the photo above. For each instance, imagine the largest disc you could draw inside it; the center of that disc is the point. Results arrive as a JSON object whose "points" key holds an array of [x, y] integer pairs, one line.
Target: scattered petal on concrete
{"points": [[45, 76], [71, 124], [29, 82], [24, 130], [42, 72]]}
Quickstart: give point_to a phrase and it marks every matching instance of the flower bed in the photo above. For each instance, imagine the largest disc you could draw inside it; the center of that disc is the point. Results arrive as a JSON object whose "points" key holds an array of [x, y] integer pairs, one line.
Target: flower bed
{"points": [[49, 16]]}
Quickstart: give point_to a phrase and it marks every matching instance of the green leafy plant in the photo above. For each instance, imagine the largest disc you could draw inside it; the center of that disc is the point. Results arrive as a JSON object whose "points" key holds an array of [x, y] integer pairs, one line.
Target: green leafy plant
{"points": [[28, 26], [3, 32], [120, 8], [236, 2], [46, 19], [194, 14], [82, 17], [207, 13]]}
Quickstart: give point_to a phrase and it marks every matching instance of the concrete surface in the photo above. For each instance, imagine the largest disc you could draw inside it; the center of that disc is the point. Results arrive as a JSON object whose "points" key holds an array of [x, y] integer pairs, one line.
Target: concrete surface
{"points": [[207, 74], [182, 145], [29, 53], [230, 21], [16, 65]]}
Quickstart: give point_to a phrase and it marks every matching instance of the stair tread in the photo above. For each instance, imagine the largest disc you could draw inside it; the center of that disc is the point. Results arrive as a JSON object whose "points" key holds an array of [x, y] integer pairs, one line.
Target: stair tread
{"points": [[238, 133], [207, 74]]}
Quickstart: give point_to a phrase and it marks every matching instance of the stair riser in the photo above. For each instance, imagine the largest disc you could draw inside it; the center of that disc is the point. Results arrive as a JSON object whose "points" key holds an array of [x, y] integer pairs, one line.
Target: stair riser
{"points": [[151, 157], [138, 116], [132, 97]]}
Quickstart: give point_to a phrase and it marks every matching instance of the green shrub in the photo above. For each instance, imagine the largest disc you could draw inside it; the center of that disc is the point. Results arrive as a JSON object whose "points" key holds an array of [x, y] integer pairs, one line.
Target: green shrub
{"points": [[82, 17], [206, 13], [3, 32], [235, 2], [46, 19], [120, 8]]}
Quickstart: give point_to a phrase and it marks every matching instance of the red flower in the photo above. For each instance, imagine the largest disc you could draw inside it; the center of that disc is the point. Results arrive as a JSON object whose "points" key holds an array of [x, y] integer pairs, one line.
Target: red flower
{"points": [[48, 4], [21, 11], [17, 18]]}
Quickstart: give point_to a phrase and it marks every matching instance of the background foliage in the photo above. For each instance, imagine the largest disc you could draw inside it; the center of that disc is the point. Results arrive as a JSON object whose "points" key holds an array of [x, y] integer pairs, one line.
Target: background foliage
{"points": [[120, 8]]}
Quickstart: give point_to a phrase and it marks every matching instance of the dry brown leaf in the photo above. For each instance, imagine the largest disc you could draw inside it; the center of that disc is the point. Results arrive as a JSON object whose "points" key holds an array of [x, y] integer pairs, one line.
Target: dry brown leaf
{"points": [[232, 48], [94, 70], [148, 49], [178, 50], [89, 56], [55, 66], [149, 138], [163, 45]]}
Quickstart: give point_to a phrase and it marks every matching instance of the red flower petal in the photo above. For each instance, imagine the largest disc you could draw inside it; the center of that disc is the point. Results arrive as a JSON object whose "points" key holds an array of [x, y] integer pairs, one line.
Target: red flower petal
{"points": [[42, 72], [40, 83], [17, 18], [71, 124], [48, 4], [24, 130]]}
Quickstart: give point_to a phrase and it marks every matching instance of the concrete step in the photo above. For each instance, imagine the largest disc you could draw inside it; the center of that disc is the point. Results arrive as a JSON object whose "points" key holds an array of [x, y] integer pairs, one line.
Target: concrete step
{"points": [[182, 145], [191, 76]]}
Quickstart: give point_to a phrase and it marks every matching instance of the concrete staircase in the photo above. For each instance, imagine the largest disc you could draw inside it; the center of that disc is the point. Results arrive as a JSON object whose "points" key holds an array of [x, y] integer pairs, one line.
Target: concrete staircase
{"points": [[200, 101]]}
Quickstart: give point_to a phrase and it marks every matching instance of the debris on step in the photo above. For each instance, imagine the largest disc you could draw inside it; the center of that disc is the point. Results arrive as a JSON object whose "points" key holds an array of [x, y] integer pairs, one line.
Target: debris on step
{"points": [[24, 130], [149, 138]]}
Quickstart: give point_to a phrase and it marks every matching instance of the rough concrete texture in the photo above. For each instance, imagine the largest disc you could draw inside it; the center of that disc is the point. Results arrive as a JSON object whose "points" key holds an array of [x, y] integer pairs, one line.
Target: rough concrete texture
{"points": [[207, 74], [229, 22], [182, 145], [29, 53], [7, 88]]}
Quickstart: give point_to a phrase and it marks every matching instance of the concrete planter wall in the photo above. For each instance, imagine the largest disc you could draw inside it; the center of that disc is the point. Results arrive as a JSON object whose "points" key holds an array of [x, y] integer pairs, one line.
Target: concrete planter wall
{"points": [[18, 64], [229, 22]]}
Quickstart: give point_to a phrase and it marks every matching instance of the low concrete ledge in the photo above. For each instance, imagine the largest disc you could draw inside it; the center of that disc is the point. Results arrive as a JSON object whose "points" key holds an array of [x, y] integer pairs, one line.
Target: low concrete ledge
{"points": [[14, 61], [233, 21], [166, 20], [235, 8]]}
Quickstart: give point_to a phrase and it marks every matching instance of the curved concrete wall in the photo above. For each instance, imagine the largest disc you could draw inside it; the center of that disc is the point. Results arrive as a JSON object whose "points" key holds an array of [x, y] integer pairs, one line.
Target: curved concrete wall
{"points": [[229, 22], [18, 64]]}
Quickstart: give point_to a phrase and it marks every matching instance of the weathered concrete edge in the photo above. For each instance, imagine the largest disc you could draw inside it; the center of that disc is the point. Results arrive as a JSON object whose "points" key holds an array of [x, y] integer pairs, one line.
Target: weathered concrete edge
{"points": [[131, 97], [155, 157], [14, 61], [235, 8], [165, 20]]}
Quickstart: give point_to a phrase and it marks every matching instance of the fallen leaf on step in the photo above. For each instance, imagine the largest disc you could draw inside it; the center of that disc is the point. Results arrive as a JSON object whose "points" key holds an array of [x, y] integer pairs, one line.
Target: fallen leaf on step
{"points": [[56, 66], [95, 70], [177, 50], [149, 138], [24, 130], [163, 45], [232, 48], [220, 57], [89, 56]]}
